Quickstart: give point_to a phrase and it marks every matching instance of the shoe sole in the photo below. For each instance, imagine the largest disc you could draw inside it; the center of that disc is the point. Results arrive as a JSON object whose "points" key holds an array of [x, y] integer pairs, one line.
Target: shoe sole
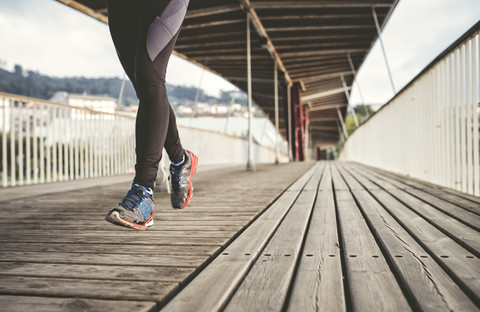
{"points": [[115, 218], [190, 184]]}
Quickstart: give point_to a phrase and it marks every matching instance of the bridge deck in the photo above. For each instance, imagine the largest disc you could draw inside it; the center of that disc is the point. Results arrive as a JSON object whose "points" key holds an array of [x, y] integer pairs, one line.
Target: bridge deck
{"points": [[341, 237]]}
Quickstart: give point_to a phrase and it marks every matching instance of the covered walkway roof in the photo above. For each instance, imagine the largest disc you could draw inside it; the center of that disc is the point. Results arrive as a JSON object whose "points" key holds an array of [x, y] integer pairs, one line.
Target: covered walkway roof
{"points": [[318, 44]]}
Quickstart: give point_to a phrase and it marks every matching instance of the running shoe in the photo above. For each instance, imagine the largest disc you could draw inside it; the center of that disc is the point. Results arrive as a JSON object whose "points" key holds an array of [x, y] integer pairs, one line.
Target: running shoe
{"points": [[181, 177], [135, 210]]}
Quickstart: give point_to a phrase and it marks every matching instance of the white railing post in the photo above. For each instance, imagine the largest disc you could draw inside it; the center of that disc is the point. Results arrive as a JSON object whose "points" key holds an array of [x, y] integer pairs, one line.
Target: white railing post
{"points": [[4, 142], [28, 152], [476, 104], [435, 118], [13, 155], [20, 155]]}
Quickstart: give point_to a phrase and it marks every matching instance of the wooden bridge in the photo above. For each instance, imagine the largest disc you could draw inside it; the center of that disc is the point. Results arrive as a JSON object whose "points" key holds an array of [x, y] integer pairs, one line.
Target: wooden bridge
{"points": [[326, 236]]}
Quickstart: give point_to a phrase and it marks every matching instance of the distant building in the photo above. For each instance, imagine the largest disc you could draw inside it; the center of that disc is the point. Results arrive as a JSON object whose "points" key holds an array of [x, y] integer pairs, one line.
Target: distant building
{"points": [[98, 103]]}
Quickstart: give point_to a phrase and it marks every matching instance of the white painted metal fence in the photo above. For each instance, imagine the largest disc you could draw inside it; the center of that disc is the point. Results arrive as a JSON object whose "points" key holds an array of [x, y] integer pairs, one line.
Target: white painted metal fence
{"points": [[48, 142], [430, 130]]}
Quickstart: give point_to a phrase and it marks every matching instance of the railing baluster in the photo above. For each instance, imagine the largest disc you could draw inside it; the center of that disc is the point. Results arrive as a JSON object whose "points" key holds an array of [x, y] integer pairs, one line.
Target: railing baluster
{"points": [[13, 174], [55, 139], [20, 155], [4, 142], [436, 118], [28, 138], [76, 138], [476, 103], [35, 143], [469, 117]]}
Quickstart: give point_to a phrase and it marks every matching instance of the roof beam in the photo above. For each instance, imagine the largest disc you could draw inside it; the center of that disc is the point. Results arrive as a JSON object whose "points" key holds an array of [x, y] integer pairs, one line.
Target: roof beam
{"points": [[212, 10], [318, 95], [323, 77], [318, 4], [322, 52], [85, 9], [271, 48], [317, 108]]}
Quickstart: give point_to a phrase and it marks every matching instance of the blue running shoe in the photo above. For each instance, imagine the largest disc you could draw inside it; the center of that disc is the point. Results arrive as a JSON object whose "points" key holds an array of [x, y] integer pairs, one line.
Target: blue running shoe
{"points": [[135, 210]]}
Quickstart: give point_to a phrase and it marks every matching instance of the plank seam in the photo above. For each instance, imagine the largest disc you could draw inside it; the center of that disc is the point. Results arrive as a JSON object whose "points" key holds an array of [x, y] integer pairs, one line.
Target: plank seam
{"points": [[230, 296], [398, 178], [379, 175], [346, 287], [412, 301], [471, 294], [302, 246], [450, 235]]}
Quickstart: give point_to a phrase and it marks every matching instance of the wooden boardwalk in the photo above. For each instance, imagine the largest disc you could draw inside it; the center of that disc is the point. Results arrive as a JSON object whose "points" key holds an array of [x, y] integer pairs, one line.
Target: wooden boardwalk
{"points": [[338, 237], [58, 254]]}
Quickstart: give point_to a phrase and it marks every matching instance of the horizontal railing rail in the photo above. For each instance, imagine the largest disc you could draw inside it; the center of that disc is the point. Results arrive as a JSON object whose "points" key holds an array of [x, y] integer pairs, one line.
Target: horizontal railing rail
{"points": [[430, 130], [44, 141]]}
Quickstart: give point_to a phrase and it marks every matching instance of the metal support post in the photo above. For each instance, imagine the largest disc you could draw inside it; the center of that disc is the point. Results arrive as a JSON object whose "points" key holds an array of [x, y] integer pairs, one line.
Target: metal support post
{"points": [[277, 140], [345, 133], [350, 108], [352, 68], [289, 113], [383, 48], [250, 165]]}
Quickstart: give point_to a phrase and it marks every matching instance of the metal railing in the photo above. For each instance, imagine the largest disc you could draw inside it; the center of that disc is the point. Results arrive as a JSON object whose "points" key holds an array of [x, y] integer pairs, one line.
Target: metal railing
{"points": [[430, 130], [43, 142]]}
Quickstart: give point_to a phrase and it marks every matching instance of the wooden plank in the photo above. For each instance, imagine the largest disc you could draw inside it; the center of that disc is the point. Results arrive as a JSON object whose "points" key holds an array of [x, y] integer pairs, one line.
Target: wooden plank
{"points": [[79, 233], [101, 222], [463, 234], [466, 201], [51, 304], [318, 284], [112, 239], [463, 215], [110, 271], [212, 287], [100, 226], [459, 263], [267, 283], [152, 250], [78, 288], [169, 217], [371, 284], [105, 259], [427, 284]]}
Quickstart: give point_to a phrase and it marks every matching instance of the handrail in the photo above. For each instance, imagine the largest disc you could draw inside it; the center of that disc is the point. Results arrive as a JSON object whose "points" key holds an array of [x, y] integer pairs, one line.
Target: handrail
{"points": [[44, 141], [430, 129]]}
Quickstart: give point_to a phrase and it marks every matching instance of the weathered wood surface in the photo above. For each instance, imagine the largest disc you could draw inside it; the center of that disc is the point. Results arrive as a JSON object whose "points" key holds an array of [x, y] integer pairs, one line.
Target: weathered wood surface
{"points": [[342, 237], [362, 241], [211, 290], [318, 285], [58, 254], [268, 281]]}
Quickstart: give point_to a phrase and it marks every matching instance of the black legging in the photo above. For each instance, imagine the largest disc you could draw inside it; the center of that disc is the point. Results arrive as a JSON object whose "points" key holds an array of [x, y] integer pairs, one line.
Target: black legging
{"points": [[144, 33]]}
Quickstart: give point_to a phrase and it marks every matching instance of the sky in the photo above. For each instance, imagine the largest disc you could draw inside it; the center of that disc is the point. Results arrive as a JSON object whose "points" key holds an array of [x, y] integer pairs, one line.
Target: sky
{"points": [[49, 37]]}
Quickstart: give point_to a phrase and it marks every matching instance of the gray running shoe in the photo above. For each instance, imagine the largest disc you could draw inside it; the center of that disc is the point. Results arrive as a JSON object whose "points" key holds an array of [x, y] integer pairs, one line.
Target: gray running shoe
{"points": [[135, 210]]}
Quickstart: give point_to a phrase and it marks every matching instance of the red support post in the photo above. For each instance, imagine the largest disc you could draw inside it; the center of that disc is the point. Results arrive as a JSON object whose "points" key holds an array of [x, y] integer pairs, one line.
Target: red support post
{"points": [[298, 131]]}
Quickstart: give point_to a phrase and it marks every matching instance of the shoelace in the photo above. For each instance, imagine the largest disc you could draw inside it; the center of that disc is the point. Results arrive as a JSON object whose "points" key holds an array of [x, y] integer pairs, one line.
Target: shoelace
{"points": [[133, 198], [175, 174]]}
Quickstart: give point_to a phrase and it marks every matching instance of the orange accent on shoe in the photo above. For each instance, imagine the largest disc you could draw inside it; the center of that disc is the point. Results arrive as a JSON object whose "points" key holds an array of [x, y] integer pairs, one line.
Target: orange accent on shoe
{"points": [[190, 185]]}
